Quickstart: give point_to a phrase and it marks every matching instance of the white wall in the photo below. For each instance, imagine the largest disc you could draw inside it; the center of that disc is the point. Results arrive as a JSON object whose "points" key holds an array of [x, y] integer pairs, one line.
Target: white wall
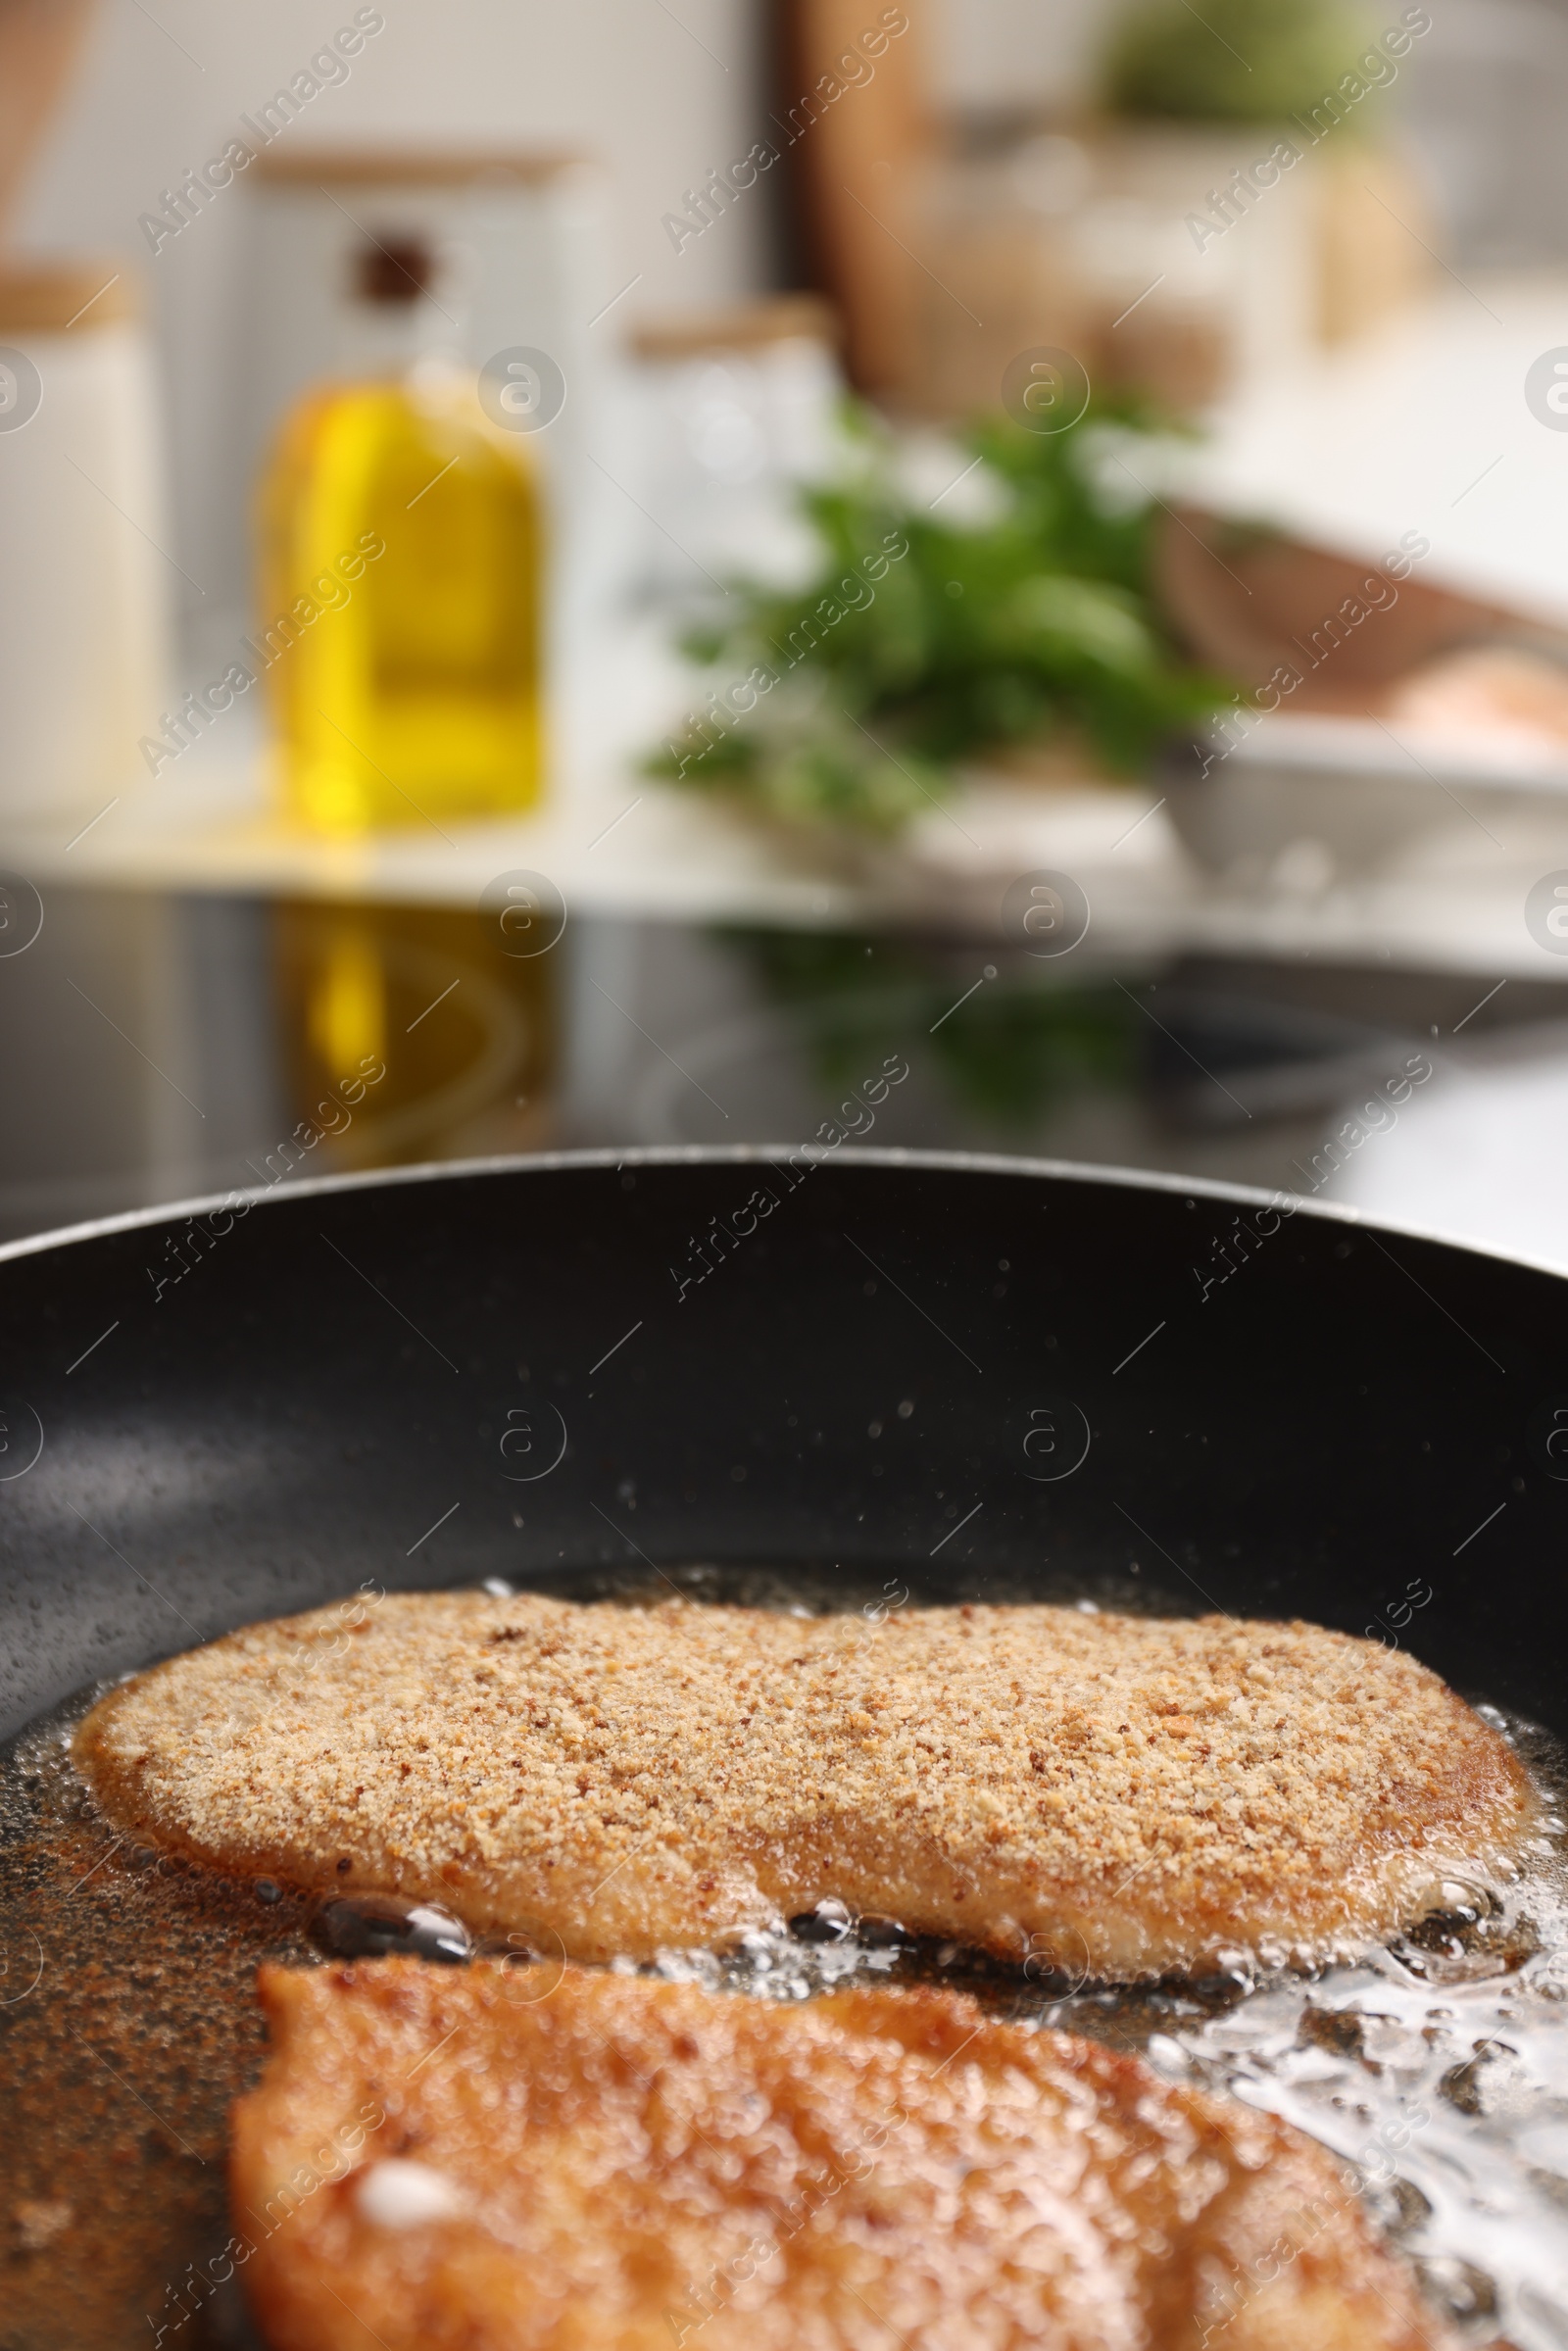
{"points": [[1012, 54], [659, 94]]}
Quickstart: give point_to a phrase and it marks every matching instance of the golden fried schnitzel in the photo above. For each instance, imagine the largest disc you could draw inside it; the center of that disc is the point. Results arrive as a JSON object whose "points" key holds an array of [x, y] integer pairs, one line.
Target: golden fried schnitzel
{"points": [[1123, 1795], [587, 2162]]}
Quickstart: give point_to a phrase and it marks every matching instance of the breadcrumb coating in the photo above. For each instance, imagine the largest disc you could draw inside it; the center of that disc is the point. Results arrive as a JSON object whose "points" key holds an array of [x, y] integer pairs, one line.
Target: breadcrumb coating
{"points": [[442, 2160], [1117, 1794]]}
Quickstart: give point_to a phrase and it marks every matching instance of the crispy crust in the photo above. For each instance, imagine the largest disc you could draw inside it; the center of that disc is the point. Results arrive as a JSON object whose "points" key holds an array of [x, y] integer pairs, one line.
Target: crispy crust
{"points": [[624, 2163], [1123, 1794]]}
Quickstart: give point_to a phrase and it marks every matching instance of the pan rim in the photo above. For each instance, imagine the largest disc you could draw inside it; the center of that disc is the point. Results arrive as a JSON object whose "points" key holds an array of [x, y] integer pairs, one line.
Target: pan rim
{"points": [[690, 1155]]}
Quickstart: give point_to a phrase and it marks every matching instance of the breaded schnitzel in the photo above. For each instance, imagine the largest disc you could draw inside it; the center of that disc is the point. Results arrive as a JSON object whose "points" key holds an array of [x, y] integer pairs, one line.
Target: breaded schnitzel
{"points": [[601, 2163], [1123, 1794]]}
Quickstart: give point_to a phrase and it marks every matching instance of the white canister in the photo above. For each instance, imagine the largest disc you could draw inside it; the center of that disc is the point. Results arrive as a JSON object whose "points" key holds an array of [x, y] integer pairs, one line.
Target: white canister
{"points": [[737, 411], [83, 575]]}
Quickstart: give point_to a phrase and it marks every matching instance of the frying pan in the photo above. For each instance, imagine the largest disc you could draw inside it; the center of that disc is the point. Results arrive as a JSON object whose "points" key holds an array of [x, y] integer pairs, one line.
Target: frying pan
{"points": [[968, 1377], [998, 1378]]}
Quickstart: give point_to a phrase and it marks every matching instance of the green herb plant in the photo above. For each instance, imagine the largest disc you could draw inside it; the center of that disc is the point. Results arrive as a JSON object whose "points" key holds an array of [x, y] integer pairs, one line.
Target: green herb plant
{"points": [[1035, 625], [1235, 61]]}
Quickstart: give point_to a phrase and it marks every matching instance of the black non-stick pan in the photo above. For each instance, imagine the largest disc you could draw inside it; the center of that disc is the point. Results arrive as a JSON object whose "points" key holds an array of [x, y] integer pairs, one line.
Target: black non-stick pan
{"points": [[979, 1378], [971, 1371]]}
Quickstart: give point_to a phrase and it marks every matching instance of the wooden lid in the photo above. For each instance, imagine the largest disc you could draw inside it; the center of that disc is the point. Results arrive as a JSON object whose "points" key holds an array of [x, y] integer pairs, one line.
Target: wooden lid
{"points": [[779, 318], [46, 297], [413, 166]]}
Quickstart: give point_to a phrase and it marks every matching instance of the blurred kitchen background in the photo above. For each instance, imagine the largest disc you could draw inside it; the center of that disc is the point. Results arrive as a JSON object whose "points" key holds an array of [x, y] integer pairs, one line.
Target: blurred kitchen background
{"points": [[604, 576]]}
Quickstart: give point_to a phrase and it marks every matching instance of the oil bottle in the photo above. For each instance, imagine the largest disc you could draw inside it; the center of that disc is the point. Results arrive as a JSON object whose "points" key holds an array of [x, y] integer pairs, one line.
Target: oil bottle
{"points": [[402, 549]]}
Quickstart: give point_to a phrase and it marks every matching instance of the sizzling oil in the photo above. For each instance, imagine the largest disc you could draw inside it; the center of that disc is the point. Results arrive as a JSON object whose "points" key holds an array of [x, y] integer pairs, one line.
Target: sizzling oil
{"points": [[1439, 2067]]}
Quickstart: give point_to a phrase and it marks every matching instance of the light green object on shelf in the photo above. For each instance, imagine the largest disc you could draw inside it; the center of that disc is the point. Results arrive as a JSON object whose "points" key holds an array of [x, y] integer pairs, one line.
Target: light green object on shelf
{"points": [[1234, 61]]}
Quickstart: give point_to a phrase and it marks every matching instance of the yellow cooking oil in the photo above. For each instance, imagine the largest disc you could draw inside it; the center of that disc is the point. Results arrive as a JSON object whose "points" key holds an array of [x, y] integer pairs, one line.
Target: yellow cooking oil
{"points": [[401, 555]]}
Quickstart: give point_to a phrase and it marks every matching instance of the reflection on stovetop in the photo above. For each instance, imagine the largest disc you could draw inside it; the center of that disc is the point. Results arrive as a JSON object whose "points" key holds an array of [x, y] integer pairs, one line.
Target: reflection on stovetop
{"points": [[156, 1048]]}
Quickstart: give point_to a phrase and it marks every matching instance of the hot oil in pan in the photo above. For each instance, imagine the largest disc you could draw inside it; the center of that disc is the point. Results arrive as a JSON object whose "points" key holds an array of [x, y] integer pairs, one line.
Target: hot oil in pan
{"points": [[128, 2027]]}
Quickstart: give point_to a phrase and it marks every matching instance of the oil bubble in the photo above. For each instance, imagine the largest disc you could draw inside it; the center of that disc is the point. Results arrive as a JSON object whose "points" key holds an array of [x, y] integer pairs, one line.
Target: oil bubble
{"points": [[374, 1925]]}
